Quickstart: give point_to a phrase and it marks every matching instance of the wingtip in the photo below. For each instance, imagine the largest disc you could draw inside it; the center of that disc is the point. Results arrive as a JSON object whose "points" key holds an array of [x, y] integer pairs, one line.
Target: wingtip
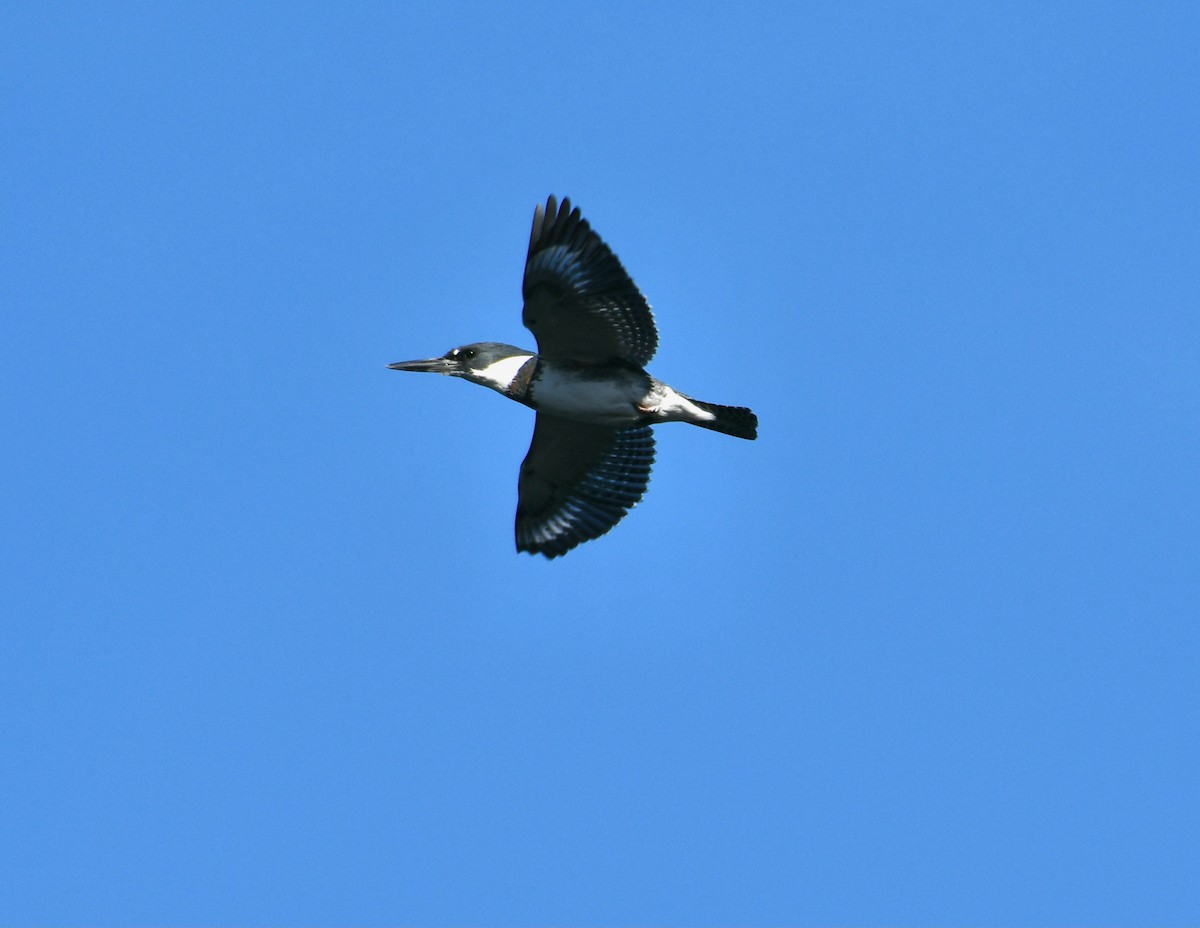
{"points": [[556, 210], [549, 548]]}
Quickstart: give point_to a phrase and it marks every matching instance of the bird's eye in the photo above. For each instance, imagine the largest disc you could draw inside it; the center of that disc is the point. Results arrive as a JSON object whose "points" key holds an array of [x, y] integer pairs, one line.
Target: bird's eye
{"points": [[466, 353]]}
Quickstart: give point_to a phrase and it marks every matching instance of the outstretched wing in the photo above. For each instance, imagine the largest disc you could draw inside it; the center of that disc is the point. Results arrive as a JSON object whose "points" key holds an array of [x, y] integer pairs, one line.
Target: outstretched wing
{"points": [[578, 481], [579, 302]]}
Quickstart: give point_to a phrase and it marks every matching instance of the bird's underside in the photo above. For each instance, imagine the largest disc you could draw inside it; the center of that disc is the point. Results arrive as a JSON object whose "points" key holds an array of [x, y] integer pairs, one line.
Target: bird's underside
{"points": [[592, 449]]}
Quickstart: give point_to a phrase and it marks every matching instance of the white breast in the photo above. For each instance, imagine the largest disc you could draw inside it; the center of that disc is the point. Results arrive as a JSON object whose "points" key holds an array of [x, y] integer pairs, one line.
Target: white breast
{"points": [[602, 402]]}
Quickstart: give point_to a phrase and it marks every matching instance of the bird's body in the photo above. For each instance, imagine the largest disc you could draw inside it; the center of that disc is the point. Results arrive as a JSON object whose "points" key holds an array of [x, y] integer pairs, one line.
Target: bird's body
{"points": [[592, 449], [599, 394]]}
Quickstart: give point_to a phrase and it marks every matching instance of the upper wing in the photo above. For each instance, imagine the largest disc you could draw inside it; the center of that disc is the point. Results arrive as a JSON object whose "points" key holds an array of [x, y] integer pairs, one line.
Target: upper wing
{"points": [[579, 301], [578, 481]]}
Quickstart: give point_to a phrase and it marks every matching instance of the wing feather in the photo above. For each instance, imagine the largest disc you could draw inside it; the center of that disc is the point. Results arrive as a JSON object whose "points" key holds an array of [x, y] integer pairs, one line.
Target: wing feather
{"points": [[578, 481], [580, 303]]}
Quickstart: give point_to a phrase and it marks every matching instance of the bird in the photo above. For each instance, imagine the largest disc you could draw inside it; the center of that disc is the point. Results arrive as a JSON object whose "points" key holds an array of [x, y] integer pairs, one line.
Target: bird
{"points": [[593, 446]]}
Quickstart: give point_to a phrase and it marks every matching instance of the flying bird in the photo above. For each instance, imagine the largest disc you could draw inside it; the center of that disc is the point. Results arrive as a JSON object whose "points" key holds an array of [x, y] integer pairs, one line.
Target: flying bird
{"points": [[592, 449]]}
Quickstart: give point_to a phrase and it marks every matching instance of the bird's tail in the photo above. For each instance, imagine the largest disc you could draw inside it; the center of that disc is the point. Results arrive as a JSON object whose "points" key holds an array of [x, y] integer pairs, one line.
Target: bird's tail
{"points": [[737, 421]]}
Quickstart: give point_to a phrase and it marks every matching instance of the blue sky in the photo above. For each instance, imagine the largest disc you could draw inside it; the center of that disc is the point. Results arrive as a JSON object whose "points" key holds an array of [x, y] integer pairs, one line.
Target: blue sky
{"points": [[925, 653]]}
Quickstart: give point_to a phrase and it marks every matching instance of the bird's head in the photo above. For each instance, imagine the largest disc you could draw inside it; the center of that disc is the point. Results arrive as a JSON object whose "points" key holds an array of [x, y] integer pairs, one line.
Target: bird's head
{"points": [[492, 364]]}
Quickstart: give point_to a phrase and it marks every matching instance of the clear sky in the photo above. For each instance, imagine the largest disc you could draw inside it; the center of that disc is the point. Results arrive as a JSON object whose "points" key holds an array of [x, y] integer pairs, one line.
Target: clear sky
{"points": [[926, 653]]}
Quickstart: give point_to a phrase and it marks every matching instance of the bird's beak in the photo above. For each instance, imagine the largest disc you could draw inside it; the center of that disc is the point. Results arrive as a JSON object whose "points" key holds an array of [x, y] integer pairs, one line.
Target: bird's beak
{"points": [[429, 365]]}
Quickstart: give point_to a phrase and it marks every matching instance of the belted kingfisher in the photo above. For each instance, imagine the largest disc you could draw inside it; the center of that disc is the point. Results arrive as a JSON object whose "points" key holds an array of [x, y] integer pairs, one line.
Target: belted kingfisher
{"points": [[589, 462]]}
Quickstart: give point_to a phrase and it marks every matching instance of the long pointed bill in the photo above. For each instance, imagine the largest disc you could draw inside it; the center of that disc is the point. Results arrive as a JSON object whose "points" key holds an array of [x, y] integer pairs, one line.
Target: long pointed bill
{"points": [[429, 365]]}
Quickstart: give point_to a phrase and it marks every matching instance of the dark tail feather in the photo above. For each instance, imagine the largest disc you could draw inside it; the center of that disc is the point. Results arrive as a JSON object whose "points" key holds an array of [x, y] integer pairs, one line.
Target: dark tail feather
{"points": [[737, 421]]}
